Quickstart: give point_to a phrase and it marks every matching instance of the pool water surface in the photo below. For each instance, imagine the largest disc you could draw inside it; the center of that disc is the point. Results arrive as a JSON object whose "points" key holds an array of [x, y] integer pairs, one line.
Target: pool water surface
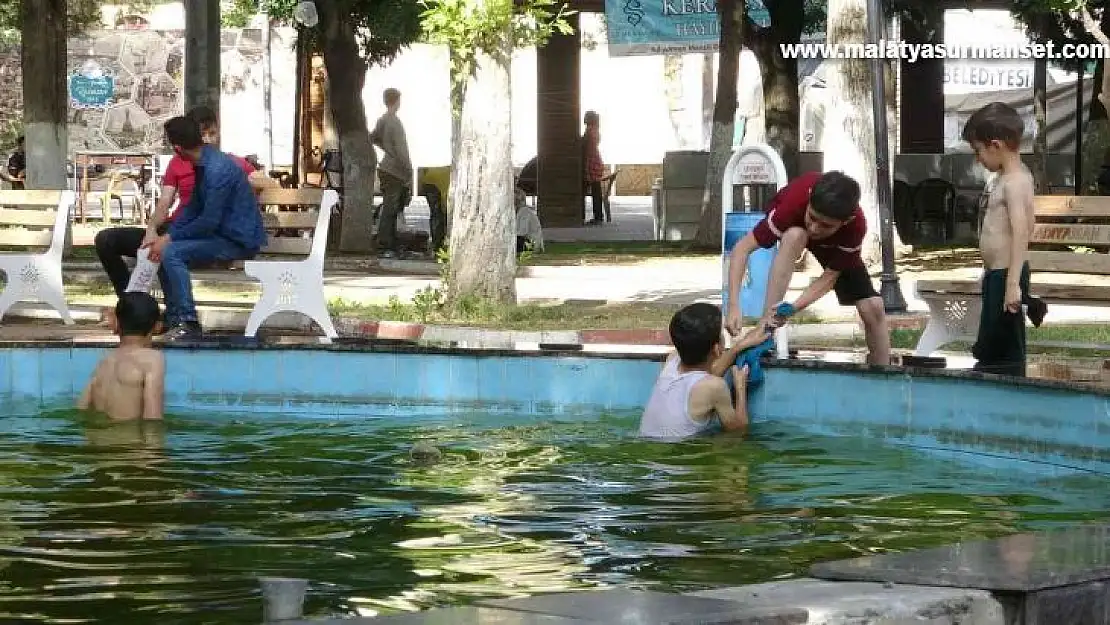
{"points": [[174, 522]]}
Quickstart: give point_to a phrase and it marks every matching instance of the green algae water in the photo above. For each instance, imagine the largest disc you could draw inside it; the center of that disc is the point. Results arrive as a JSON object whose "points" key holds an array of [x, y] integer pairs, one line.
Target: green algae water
{"points": [[174, 523]]}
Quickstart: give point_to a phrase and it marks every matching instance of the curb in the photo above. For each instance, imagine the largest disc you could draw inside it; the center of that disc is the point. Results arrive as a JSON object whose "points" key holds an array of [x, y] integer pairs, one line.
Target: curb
{"points": [[235, 319]]}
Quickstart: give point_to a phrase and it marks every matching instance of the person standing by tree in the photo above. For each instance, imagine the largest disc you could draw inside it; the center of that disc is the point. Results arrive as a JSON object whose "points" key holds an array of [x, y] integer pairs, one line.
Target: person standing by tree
{"points": [[594, 166], [395, 172]]}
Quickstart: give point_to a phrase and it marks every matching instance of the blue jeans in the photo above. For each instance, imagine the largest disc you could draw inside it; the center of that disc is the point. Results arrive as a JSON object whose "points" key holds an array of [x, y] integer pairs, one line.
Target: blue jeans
{"points": [[174, 272]]}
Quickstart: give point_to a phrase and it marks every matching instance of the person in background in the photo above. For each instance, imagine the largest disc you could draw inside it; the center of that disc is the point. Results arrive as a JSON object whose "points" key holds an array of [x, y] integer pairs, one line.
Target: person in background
{"points": [[221, 222], [17, 165], [994, 133], [394, 172], [128, 383], [691, 396], [529, 232], [594, 167]]}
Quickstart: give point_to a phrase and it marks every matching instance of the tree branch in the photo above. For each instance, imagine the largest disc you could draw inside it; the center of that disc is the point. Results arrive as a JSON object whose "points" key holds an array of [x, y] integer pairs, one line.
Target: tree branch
{"points": [[1083, 14]]}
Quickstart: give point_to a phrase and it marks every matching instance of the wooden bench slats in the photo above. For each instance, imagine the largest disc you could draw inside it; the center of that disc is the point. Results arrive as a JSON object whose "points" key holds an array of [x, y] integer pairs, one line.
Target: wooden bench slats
{"points": [[1091, 206], [290, 197], [1071, 234], [290, 219], [33, 217], [22, 237], [287, 245], [1069, 262], [1051, 292], [45, 199]]}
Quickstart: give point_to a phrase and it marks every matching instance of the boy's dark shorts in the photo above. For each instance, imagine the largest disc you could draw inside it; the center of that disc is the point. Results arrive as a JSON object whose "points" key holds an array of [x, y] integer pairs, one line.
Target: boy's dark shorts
{"points": [[854, 285], [1000, 346]]}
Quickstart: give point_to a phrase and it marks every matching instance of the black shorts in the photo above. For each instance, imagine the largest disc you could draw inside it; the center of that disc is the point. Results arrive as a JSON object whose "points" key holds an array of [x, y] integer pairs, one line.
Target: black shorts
{"points": [[854, 285]]}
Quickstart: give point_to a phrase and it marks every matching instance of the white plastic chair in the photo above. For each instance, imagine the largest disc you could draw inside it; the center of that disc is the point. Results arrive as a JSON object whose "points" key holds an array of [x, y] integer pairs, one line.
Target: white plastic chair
{"points": [[38, 276], [297, 285]]}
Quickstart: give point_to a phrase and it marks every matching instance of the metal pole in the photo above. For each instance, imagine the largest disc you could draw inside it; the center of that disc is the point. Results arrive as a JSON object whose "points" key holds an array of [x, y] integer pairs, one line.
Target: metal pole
{"points": [[267, 89], [890, 290], [1079, 110], [298, 108]]}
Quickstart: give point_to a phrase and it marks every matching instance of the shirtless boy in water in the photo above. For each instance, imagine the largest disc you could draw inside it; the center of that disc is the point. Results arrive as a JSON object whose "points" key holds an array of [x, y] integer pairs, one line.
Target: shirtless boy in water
{"points": [[128, 383], [994, 132]]}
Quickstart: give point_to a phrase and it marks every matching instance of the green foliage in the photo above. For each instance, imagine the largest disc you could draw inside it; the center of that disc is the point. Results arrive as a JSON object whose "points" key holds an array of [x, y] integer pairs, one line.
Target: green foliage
{"points": [[491, 27], [384, 27], [83, 14], [1055, 21]]}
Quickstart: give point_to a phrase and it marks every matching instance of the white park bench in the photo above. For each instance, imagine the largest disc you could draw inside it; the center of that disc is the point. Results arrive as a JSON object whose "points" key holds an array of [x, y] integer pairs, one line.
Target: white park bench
{"points": [[297, 223], [32, 235]]}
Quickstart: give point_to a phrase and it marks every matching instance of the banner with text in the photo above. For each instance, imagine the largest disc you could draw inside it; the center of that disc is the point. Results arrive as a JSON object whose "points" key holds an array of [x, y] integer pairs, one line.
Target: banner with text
{"points": [[647, 27]]}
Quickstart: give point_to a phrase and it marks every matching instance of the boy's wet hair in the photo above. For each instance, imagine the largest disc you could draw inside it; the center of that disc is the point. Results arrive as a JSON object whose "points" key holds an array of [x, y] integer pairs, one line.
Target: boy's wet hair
{"points": [[204, 116], [137, 314], [835, 195], [695, 330], [996, 121], [184, 133]]}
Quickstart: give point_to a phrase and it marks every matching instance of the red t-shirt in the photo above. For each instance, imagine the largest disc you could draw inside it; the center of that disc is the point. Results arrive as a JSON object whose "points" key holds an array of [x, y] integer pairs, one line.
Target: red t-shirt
{"points": [[180, 175], [787, 209]]}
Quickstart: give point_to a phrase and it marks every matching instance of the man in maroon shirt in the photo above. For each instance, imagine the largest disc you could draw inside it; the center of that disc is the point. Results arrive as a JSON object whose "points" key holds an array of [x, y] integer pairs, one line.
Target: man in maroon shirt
{"points": [[820, 213]]}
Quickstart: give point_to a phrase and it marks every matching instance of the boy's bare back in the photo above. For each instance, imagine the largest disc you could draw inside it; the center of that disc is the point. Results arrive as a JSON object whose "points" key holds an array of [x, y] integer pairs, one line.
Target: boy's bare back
{"points": [[128, 384], [1013, 191]]}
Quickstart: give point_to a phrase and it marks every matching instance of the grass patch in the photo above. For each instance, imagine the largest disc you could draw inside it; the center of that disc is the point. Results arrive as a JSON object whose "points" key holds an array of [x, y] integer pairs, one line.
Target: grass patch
{"points": [[528, 316], [902, 338], [939, 258], [613, 253], [568, 316]]}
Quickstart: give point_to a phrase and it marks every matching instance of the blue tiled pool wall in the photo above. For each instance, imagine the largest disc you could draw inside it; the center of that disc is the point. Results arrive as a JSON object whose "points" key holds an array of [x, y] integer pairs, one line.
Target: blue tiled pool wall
{"points": [[1053, 427]]}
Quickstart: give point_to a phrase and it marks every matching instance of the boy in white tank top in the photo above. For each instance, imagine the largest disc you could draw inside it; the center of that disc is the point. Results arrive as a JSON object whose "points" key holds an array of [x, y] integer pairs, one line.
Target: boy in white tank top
{"points": [[691, 397]]}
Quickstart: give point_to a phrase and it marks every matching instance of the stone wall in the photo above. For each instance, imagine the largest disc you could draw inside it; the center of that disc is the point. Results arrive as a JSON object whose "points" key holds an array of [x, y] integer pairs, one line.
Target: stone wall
{"points": [[146, 67]]}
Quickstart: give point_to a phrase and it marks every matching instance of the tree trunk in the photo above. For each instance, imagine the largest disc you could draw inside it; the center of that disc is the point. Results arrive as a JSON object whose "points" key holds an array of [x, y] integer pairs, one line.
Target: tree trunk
{"points": [[346, 76], [1040, 119], [457, 92], [708, 104], [848, 139], [780, 79], [1096, 135], [672, 90], [45, 93], [732, 16], [483, 232]]}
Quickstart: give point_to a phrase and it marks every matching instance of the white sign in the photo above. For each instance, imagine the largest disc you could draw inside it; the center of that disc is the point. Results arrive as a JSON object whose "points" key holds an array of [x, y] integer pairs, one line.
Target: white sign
{"points": [[754, 168], [969, 77]]}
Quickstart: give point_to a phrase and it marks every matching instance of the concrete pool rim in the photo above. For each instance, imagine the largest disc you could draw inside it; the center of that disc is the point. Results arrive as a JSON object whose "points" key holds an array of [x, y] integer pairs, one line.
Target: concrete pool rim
{"points": [[419, 347]]}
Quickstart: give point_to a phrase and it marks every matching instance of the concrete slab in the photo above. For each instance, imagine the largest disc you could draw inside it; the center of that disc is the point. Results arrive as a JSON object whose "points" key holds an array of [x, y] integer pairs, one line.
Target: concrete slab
{"points": [[450, 616], [631, 606], [1017, 563], [861, 603]]}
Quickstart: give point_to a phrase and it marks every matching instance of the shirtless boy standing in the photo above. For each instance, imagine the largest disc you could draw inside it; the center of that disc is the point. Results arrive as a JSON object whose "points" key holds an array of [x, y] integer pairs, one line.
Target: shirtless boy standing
{"points": [[994, 133], [128, 383], [691, 396]]}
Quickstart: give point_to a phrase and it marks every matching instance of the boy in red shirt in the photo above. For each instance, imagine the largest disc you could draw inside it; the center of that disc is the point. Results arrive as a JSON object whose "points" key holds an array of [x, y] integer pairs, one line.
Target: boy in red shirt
{"points": [[820, 213]]}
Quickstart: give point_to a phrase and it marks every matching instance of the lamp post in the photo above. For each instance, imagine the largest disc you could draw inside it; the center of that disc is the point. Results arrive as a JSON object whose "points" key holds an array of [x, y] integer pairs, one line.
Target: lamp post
{"points": [[890, 290]]}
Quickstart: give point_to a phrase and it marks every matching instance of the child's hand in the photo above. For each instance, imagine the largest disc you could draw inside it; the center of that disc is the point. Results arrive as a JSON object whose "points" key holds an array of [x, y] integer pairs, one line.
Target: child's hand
{"points": [[739, 376], [755, 336], [1013, 299]]}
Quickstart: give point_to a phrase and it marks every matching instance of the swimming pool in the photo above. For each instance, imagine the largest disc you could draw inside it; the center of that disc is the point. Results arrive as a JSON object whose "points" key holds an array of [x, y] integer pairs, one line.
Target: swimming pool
{"points": [[540, 485]]}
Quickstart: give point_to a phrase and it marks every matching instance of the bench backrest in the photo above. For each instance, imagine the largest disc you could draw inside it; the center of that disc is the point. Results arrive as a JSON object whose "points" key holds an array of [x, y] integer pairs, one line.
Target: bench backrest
{"points": [[1070, 221], [285, 210], [35, 219]]}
